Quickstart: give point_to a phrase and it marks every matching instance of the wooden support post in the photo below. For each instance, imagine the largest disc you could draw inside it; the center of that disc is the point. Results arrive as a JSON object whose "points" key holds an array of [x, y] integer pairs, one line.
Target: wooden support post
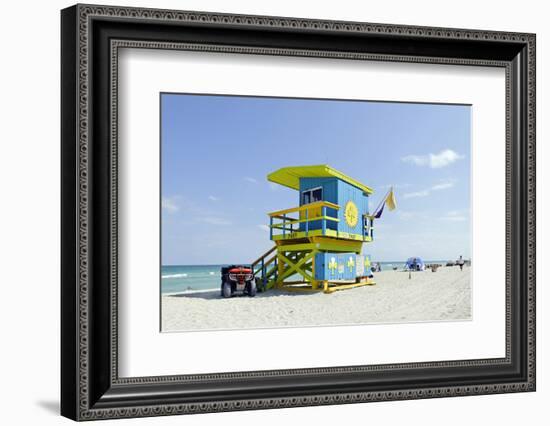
{"points": [[264, 278], [295, 267], [324, 221], [371, 229], [280, 268], [312, 270]]}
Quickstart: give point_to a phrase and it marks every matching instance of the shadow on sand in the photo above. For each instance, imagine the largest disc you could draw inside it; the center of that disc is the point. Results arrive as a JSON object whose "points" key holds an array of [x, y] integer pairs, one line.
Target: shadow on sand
{"points": [[215, 294]]}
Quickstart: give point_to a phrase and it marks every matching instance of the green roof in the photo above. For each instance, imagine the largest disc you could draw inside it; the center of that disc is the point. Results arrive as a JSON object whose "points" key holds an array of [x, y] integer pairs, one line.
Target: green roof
{"points": [[290, 176]]}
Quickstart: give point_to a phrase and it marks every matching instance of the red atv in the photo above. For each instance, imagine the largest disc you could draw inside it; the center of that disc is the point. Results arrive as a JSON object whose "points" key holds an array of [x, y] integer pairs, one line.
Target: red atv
{"points": [[238, 279]]}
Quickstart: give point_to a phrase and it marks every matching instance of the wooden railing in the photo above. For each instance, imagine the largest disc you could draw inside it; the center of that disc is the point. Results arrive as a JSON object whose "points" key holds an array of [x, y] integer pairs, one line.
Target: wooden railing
{"points": [[368, 226], [265, 268], [306, 216]]}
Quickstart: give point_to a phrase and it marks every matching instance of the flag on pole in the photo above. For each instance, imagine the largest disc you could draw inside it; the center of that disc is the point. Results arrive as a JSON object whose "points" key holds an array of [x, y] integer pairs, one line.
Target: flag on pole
{"points": [[377, 213], [388, 201]]}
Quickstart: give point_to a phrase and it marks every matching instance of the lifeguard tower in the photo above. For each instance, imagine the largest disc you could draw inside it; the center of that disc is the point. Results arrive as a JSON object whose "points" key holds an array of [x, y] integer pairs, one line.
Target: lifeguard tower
{"points": [[318, 244]]}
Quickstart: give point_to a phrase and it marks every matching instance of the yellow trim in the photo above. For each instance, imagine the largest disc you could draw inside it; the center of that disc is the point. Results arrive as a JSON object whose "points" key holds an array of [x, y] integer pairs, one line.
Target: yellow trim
{"points": [[323, 244], [324, 286], [290, 176], [293, 221], [305, 207], [338, 286], [299, 259], [319, 232], [295, 247], [294, 268]]}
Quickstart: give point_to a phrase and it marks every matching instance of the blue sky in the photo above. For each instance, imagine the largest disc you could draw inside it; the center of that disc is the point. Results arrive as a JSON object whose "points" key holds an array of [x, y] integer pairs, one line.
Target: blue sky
{"points": [[218, 150]]}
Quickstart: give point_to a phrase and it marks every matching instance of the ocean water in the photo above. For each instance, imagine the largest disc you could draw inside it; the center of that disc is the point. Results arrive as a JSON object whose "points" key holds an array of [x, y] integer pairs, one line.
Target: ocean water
{"points": [[178, 278], [388, 266]]}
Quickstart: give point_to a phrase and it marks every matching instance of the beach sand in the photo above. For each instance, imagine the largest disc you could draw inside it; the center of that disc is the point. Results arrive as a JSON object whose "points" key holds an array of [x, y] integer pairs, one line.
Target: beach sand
{"points": [[441, 296]]}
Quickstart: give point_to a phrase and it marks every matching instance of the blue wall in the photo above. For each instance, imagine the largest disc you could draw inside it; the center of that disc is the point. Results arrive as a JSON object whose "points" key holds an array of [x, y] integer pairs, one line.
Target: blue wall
{"points": [[343, 270], [347, 192], [338, 192], [330, 187]]}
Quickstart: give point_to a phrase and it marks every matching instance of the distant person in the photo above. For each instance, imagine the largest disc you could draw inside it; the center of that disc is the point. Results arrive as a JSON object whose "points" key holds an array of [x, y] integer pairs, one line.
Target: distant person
{"points": [[460, 262]]}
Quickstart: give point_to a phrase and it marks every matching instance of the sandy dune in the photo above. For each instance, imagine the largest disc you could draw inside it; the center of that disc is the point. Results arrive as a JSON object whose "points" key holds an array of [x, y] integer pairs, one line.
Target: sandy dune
{"points": [[441, 296]]}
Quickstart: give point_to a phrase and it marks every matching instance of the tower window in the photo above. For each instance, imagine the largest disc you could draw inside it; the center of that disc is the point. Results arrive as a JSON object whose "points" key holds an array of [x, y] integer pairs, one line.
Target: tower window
{"points": [[312, 195]]}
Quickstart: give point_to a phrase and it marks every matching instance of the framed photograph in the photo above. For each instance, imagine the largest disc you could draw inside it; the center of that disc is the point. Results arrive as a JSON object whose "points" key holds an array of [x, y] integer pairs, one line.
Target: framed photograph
{"points": [[263, 212]]}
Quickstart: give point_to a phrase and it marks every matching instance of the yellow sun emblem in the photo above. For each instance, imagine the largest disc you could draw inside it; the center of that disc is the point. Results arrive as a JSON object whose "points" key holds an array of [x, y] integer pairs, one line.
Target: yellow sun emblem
{"points": [[351, 214]]}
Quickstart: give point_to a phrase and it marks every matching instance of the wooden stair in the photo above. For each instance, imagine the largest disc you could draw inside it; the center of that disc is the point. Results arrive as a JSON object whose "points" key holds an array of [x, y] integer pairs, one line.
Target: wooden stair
{"points": [[265, 269]]}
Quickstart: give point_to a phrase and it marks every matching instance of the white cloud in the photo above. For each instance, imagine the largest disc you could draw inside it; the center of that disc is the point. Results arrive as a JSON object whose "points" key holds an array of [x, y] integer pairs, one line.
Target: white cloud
{"points": [[454, 216], [435, 161], [213, 220], [417, 194], [169, 204], [437, 187], [418, 160], [444, 158], [213, 198], [264, 227], [443, 185], [250, 179], [405, 215]]}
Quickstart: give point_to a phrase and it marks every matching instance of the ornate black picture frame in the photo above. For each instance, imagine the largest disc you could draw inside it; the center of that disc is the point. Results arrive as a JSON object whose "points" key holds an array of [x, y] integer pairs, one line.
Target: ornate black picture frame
{"points": [[91, 36]]}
